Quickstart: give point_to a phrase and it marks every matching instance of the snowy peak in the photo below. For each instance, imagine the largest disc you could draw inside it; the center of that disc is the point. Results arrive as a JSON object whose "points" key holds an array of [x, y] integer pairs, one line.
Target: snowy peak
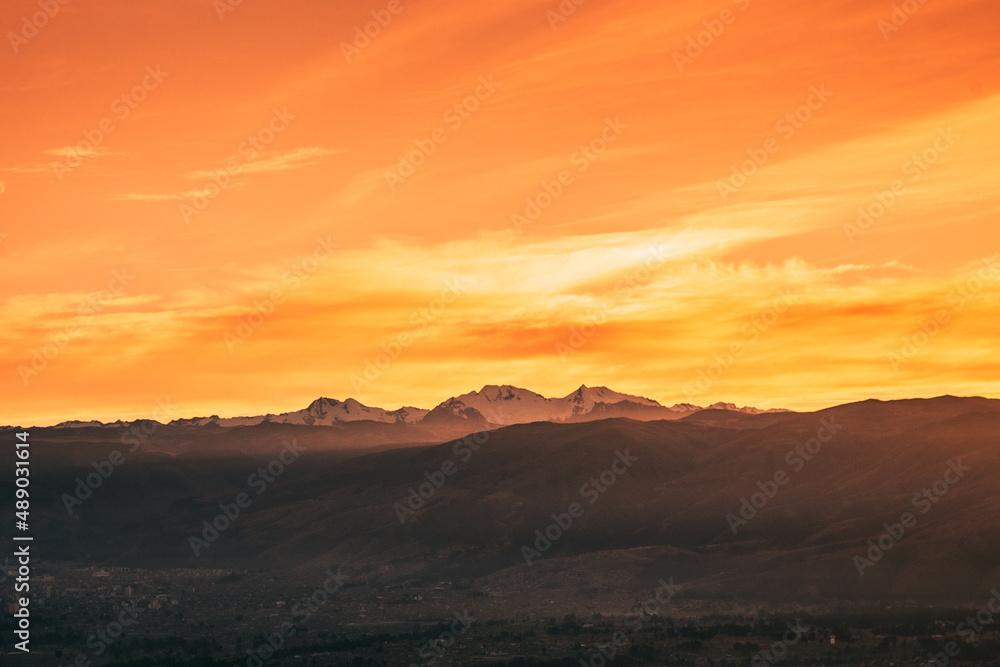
{"points": [[505, 404], [329, 411], [585, 398], [504, 392], [455, 410], [321, 412], [86, 424], [748, 409], [499, 405]]}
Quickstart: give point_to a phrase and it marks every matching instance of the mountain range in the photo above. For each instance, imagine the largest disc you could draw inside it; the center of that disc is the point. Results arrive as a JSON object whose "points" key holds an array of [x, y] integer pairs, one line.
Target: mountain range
{"points": [[498, 405], [782, 506]]}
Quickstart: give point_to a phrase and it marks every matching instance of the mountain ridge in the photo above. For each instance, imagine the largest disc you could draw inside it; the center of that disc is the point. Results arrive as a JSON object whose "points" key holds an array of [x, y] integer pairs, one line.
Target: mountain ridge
{"points": [[681, 509], [497, 405]]}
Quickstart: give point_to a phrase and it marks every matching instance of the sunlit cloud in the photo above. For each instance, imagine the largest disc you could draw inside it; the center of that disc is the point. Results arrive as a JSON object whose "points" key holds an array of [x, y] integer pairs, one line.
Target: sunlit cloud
{"points": [[868, 211], [163, 196], [82, 151], [299, 158]]}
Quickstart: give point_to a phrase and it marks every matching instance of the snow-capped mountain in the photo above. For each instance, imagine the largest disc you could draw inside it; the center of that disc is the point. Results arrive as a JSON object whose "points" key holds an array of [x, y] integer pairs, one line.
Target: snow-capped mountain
{"points": [[499, 405], [505, 404], [585, 398], [86, 424], [748, 409], [321, 412]]}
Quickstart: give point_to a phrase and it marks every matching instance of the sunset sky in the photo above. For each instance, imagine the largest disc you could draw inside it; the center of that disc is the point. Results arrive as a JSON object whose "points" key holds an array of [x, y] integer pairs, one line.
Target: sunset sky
{"points": [[127, 276]]}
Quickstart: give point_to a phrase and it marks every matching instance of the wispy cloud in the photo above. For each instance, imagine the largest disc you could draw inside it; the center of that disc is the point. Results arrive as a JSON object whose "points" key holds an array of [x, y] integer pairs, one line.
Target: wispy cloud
{"points": [[62, 155], [270, 163], [29, 169], [159, 196], [299, 158], [84, 151]]}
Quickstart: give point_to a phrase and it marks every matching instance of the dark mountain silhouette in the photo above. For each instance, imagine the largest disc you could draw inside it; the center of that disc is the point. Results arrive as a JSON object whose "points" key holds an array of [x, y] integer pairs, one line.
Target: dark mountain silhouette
{"points": [[831, 480]]}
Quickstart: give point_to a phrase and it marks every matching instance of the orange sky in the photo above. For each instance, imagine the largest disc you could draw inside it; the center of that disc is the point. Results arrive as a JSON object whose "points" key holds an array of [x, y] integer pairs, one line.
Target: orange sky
{"points": [[127, 277]]}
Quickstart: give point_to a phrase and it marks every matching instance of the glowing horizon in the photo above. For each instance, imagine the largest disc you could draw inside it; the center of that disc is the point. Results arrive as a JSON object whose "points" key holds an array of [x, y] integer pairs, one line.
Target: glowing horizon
{"points": [[245, 219]]}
